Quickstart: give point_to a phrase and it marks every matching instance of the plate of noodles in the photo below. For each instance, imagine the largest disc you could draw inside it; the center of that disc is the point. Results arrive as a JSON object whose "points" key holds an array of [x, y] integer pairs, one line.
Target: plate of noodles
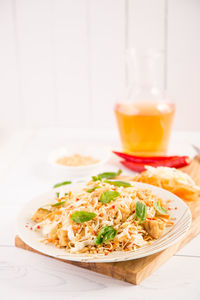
{"points": [[103, 220]]}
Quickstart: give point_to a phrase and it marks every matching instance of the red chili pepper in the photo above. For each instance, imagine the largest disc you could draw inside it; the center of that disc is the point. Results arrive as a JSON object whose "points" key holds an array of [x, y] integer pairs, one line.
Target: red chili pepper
{"points": [[149, 159], [177, 162], [133, 166], [113, 206]]}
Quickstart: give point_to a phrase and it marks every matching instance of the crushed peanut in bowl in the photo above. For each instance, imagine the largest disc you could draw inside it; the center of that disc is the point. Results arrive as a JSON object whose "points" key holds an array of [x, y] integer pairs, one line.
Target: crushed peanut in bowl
{"points": [[76, 160]]}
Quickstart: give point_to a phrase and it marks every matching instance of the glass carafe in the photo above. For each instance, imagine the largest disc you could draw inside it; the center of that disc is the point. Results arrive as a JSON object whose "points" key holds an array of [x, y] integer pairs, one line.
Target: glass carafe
{"points": [[144, 115]]}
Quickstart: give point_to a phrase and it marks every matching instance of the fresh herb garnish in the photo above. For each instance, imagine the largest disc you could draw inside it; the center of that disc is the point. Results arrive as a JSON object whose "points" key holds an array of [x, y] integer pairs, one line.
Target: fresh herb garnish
{"points": [[118, 183], [44, 209], [95, 178], [160, 209], [61, 183], [57, 195], [141, 210], [108, 175], [66, 194], [93, 189], [106, 233], [82, 216], [108, 196], [58, 203]]}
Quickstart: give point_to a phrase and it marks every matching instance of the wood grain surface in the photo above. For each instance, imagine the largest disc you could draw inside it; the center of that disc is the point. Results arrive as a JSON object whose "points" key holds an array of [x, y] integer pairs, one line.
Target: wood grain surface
{"points": [[135, 271]]}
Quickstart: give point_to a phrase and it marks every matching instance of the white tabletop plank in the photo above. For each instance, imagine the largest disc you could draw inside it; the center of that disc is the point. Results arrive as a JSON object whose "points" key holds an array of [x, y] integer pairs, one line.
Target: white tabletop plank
{"points": [[39, 277], [192, 248]]}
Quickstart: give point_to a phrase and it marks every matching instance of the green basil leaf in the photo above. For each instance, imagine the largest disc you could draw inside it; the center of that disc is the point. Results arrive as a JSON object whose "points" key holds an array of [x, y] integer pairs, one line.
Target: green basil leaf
{"points": [[82, 216], [160, 209], [61, 183], [58, 203], [57, 195], [108, 175], [118, 183], [141, 210], [95, 178], [107, 233], [44, 209], [93, 189], [108, 196]]}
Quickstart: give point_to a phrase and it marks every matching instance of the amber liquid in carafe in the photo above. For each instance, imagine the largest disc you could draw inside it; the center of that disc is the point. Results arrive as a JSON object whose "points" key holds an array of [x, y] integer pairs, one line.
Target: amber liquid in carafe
{"points": [[145, 127]]}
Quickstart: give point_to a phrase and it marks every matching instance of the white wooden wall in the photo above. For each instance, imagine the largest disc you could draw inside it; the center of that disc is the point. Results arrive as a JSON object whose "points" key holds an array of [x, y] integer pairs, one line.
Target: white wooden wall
{"points": [[62, 61]]}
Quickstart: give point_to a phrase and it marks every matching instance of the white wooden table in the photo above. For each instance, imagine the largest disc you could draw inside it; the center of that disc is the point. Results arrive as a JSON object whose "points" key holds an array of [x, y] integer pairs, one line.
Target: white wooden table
{"points": [[24, 173]]}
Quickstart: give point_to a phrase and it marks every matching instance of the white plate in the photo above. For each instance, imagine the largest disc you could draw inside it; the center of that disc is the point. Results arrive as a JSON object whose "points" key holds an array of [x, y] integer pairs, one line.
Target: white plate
{"points": [[171, 235]]}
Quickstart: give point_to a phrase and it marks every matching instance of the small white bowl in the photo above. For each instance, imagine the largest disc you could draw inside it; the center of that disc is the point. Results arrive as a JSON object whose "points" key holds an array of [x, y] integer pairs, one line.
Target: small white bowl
{"points": [[100, 153]]}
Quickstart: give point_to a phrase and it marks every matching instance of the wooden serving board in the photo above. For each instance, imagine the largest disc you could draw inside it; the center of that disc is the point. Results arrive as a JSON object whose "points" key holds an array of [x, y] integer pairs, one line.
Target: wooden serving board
{"points": [[134, 271]]}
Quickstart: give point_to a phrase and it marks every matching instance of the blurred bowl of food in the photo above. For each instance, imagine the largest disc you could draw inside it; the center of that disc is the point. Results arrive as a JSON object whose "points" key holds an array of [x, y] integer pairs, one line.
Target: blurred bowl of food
{"points": [[78, 161]]}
